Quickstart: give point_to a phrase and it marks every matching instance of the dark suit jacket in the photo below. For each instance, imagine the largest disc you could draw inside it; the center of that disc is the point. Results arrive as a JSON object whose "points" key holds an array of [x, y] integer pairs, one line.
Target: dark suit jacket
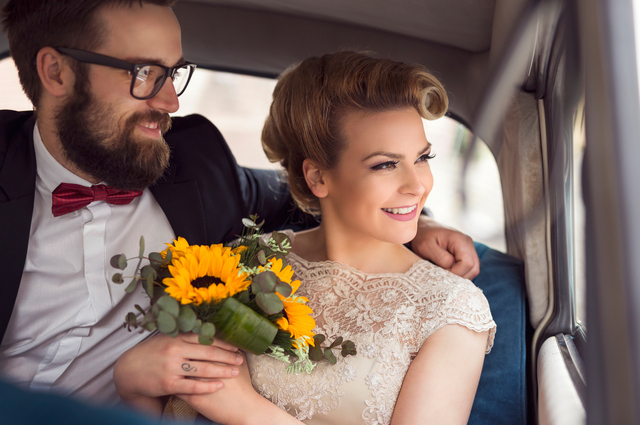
{"points": [[204, 193]]}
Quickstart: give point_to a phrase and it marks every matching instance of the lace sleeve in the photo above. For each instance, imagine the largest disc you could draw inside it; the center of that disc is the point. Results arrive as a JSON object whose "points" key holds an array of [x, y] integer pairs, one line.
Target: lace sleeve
{"points": [[466, 305]]}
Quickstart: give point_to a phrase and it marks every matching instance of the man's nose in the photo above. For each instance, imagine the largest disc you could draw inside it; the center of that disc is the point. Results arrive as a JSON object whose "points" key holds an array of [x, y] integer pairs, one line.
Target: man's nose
{"points": [[166, 100]]}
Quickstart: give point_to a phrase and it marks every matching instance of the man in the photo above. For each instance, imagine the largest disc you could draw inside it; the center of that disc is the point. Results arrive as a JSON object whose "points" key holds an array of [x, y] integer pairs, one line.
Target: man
{"points": [[99, 121]]}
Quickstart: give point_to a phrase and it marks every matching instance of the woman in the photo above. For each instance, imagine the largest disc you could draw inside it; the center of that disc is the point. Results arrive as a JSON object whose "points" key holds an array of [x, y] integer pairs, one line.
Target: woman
{"points": [[347, 130]]}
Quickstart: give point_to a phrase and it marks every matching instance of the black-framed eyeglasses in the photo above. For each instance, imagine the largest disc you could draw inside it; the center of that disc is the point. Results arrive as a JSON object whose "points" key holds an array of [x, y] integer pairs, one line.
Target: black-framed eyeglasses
{"points": [[146, 79]]}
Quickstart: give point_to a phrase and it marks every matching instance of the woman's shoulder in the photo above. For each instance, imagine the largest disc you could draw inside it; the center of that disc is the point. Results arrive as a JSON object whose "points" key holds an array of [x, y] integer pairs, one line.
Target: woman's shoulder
{"points": [[458, 300]]}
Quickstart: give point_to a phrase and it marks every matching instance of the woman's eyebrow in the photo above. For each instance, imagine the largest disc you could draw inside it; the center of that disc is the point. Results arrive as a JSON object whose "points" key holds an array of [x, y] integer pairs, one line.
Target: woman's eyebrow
{"points": [[383, 153], [395, 156]]}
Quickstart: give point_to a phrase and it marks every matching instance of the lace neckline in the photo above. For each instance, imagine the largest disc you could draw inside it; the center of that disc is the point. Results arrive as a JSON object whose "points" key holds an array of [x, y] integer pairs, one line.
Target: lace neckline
{"points": [[329, 263]]}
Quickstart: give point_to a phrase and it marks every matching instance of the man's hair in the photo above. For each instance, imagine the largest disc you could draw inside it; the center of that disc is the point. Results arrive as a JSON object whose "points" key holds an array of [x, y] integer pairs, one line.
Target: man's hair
{"points": [[312, 98], [33, 24]]}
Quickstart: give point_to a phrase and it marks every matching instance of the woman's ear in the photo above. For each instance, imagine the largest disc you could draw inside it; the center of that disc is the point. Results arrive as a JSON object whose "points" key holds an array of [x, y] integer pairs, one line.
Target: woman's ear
{"points": [[56, 76], [314, 176]]}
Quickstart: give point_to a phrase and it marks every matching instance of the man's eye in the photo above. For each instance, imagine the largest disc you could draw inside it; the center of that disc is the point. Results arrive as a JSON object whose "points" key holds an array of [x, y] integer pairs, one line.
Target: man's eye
{"points": [[389, 165]]}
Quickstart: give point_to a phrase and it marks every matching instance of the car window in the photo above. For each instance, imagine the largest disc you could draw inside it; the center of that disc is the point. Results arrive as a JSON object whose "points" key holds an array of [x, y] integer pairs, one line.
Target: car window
{"points": [[238, 105], [11, 94]]}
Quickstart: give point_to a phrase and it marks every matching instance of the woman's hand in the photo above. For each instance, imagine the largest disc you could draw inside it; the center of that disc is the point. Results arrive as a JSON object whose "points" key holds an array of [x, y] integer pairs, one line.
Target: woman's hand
{"points": [[238, 403], [446, 247], [162, 365]]}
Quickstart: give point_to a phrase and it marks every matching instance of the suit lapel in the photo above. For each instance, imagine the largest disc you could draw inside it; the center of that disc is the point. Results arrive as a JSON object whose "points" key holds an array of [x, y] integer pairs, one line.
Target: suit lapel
{"points": [[182, 204], [17, 180]]}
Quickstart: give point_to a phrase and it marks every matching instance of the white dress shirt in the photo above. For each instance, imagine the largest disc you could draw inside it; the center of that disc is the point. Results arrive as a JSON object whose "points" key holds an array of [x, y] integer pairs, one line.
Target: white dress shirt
{"points": [[66, 330]]}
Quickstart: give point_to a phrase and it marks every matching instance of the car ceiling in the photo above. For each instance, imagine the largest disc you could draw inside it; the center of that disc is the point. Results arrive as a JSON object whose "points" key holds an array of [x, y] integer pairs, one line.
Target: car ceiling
{"points": [[458, 40]]}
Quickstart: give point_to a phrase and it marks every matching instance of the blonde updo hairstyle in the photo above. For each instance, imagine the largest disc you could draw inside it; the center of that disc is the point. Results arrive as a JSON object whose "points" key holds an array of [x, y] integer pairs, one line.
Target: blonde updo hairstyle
{"points": [[311, 98]]}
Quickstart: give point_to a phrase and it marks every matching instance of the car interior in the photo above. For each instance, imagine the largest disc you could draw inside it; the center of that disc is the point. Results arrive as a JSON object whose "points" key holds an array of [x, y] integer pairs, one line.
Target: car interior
{"points": [[551, 88]]}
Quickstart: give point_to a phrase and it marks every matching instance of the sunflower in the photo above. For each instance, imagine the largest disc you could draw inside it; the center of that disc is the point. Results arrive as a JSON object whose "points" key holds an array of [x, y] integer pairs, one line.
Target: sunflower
{"points": [[178, 248], [297, 321], [201, 273]]}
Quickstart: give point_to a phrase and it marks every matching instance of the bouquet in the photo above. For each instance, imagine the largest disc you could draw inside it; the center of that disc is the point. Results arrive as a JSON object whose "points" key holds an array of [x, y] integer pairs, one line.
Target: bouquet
{"points": [[243, 293]]}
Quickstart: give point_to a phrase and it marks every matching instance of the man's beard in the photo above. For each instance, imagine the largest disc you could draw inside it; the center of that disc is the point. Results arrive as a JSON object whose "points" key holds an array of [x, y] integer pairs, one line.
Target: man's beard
{"points": [[105, 148]]}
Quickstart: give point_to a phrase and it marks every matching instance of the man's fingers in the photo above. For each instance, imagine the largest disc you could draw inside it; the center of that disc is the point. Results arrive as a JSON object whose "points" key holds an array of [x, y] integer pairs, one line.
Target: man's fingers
{"points": [[207, 370], [441, 257], [211, 353], [219, 351], [466, 269]]}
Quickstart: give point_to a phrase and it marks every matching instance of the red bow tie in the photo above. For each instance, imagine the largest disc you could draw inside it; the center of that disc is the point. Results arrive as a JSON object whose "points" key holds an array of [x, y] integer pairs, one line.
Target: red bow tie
{"points": [[69, 197]]}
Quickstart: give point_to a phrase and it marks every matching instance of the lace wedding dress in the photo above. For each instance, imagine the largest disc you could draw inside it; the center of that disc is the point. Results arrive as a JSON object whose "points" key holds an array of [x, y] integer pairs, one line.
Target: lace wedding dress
{"points": [[388, 317]]}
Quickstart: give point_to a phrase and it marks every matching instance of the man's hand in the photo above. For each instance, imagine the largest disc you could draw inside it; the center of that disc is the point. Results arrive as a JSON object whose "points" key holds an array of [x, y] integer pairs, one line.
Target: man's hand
{"points": [[163, 365], [446, 247]]}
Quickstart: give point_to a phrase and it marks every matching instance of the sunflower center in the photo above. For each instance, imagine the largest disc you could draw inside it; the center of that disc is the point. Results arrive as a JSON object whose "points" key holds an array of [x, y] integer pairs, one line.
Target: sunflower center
{"points": [[205, 281]]}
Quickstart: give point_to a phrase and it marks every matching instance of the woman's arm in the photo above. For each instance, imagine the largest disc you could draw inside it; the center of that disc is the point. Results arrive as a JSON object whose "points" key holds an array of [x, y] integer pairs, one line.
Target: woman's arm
{"points": [[238, 403], [441, 383]]}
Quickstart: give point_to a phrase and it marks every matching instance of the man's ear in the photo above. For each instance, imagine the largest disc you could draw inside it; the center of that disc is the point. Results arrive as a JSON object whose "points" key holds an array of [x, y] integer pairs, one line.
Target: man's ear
{"points": [[315, 177], [56, 75]]}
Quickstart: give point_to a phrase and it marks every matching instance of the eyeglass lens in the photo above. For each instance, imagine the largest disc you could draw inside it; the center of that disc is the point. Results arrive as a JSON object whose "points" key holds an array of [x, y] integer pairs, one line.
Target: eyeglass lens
{"points": [[150, 78]]}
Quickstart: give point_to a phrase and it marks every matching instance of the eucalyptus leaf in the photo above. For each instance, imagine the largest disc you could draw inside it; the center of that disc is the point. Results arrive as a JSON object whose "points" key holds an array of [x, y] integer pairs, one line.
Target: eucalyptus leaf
{"points": [[269, 302], [264, 282], [117, 278], [119, 261], [155, 310], [337, 342], [155, 259], [318, 339], [196, 326], [148, 285], [140, 309], [147, 271], [131, 321], [328, 354], [141, 253], [315, 353], [166, 323], [280, 256], [168, 257], [150, 326], [262, 258], [348, 348], [132, 285], [186, 319], [205, 340], [207, 332], [283, 289], [169, 305]]}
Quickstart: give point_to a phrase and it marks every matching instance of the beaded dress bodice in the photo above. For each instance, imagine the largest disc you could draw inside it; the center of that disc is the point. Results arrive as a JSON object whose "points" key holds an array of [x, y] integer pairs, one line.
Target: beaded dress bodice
{"points": [[388, 317]]}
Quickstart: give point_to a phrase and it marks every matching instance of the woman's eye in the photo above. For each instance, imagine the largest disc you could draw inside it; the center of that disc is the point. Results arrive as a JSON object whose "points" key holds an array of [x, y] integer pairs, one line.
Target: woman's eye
{"points": [[389, 165], [426, 157]]}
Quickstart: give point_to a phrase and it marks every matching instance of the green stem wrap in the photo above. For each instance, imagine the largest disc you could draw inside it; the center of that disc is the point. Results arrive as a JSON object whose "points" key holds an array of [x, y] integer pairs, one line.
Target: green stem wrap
{"points": [[242, 327]]}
